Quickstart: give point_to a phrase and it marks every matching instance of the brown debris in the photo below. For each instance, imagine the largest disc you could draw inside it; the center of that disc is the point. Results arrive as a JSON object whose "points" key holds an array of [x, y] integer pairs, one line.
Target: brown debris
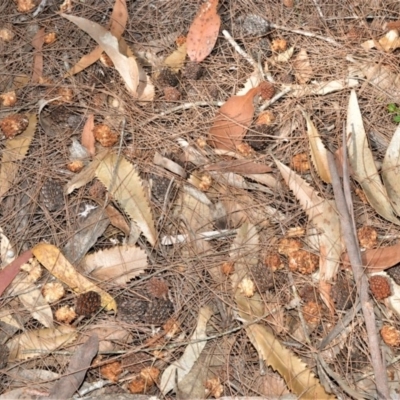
{"points": [[88, 303], [390, 335], [380, 287], [368, 237], [13, 125], [303, 261]]}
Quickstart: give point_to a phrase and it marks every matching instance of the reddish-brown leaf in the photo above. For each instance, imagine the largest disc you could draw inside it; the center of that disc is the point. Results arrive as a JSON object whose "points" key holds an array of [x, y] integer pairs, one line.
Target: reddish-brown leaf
{"points": [[8, 273], [233, 119], [203, 32], [238, 167], [37, 43], [88, 140]]}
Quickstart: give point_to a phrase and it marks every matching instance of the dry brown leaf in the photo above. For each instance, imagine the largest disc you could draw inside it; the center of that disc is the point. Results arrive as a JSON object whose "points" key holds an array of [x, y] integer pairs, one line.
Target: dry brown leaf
{"points": [[363, 164], [111, 335], [34, 343], [15, 150], [126, 66], [88, 140], [388, 43], [37, 43], [54, 261], [203, 32], [117, 219], [180, 368], [123, 182], [176, 60], [238, 167], [118, 264], [323, 215], [232, 120], [318, 151], [273, 386], [299, 379], [302, 67], [119, 18]]}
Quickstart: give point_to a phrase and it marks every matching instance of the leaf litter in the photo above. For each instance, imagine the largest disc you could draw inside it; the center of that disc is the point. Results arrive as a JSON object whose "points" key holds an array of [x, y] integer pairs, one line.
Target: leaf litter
{"points": [[207, 253]]}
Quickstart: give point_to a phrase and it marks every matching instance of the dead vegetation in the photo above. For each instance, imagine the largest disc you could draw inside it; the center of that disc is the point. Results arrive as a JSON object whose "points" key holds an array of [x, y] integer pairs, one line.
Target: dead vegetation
{"points": [[178, 215]]}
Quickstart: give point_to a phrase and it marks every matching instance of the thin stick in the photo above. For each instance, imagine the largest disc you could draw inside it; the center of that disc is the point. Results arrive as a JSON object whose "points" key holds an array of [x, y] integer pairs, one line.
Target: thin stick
{"points": [[306, 33], [361, 281]]}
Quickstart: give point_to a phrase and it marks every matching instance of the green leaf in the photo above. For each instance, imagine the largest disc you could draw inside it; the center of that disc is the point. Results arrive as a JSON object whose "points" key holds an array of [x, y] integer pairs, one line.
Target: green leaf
{"points": [[396, 118]]}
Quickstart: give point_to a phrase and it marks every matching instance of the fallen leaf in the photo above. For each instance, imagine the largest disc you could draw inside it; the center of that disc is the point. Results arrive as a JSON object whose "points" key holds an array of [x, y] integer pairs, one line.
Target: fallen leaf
{"points": [[238, 167], [180, 368], [302, 67], [117, 219], [363, 164], [252, 82], [118, 265], [111, 335], [88, 140], [388, 43], [123, 182], [232, 120], [14, 151], [176, 60], [34, 343], [9, 272], [37, 43], [73, 377], [318, 151], [391, 171], [203, 32], [126, 66], [55, 262], [119, 18]]}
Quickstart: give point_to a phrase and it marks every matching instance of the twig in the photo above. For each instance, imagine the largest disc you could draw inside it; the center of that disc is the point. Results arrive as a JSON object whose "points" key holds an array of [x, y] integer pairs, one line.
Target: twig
{"points": [[361, 281], [306, 33], [319, 9], [275, 98]]}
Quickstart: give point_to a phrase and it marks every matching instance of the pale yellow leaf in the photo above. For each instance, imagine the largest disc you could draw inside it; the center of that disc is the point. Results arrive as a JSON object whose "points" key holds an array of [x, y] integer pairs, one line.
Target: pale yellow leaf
{"points": [[318, 151], [302, 67], [176, 60], [299, 379], [180, 368], [363, 164], [118, 264], [391, 171], [126, 66], [123, 182], [322, 215], [55, 262], [36, 343], [15, 150]]}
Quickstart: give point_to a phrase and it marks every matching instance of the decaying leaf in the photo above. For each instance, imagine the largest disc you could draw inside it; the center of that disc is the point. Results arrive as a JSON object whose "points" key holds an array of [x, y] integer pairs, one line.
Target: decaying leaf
{"points": [[119, 18], [88, 140], [35, 343], [180, 368], [299, 378], [391, 171], [238, 167], [203, 32], [126, 66], [15, 150], [119, 264], [110, 334], [232, 120], [363, 164], [37, 43], [323, 215], [302, 67], [388, 43], [9, 272], [55, 262], [123, 182], [318, 151], [176, 60]]}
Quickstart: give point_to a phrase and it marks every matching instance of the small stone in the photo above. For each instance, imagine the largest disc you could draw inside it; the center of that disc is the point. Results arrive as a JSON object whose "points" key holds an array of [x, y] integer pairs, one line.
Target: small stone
{"points": [[255, 25], [193, 71], [172, 93]]}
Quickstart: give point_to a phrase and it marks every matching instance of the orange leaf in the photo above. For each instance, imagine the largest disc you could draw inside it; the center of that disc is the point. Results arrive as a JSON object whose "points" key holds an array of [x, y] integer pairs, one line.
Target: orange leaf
{"points": [[88, 140], [203, 32], [119, 18], [233, 119], [37, 43]]}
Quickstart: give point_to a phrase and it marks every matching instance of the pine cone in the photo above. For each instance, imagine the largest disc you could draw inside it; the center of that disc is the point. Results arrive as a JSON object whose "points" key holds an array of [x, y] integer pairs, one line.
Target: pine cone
{"points": [[263, 277], [343, 294], [267, 90], [157, 288], [52, 195], [380, 287], [88, 303]]}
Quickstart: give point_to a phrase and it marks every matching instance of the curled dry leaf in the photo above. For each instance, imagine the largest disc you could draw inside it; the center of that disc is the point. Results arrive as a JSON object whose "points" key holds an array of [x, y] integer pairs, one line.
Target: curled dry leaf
{"points": [[232, 120], [126, 66], [180, 368], [118, 264], [203, 32], [363, 164], [121, 179], [15, 150], [33, 343], [318, 151], [176, 60], [55, 262]]}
